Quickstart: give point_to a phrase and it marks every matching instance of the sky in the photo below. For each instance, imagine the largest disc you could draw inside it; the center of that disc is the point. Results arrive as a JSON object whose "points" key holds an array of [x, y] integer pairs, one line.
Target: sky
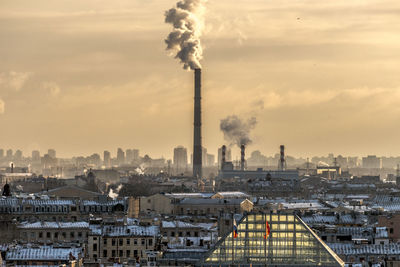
{"points": [[87, 76]]}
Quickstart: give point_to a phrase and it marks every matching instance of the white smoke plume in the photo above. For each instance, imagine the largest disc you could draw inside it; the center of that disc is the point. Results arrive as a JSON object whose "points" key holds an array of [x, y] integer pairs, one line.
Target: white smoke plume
{"points": [[113, 194], [237, 131], [187, 19]]}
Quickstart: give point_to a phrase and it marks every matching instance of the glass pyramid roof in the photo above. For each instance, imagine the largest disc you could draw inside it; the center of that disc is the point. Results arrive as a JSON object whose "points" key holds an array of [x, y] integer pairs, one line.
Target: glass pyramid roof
{"points": [[290, 242]]}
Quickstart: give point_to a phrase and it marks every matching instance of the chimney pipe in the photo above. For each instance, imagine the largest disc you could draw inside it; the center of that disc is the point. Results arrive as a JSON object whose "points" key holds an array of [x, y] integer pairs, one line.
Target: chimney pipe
{"points": [[197, 148], [282, 162], [242, 156], [223, 156], [12, 167]]}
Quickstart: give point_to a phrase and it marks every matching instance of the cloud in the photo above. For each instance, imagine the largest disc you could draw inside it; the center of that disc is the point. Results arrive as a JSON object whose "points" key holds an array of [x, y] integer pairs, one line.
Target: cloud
{"points": [[14, 80], [2, 106], [52, 87]]}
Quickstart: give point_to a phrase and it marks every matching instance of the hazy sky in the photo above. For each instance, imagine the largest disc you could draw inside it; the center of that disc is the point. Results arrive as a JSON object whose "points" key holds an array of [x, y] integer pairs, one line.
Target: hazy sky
{"points": [[84, 76]]}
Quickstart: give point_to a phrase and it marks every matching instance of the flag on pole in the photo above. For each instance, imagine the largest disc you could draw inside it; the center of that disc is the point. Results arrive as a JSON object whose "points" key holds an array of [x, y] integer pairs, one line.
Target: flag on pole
{"points": [[267, 230], [235, 229]]}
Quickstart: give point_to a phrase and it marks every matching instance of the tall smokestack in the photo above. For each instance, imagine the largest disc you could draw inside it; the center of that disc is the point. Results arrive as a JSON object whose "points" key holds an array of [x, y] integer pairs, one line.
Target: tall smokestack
{"points": [[242, 156], [223, 156], [197, 151], [282, 162]]}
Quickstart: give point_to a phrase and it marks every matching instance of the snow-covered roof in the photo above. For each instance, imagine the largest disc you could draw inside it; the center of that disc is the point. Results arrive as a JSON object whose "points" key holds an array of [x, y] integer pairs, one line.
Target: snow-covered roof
{"points": [[54, 225], [47, 202], [212, 201], [180, 224], [232, 194], [189, 195], [103, 203], [388, 203], [42, 253], [351, 249], [332, 219], [130, 230]]}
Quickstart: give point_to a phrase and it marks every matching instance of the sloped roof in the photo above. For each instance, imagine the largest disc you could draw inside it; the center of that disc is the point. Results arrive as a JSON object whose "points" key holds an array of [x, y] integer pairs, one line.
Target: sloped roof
{"points": [[42, 253], [288, 244]]}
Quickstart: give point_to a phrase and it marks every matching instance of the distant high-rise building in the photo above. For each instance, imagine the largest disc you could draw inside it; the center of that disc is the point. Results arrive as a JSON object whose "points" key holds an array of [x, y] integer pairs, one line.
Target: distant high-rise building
{"points": [[371, 162], [9, 154], [52, 153], [135, 154], [107, 159], [210, 160], [129, 156], [180, 159], [341, 161], [18, 155], [204, 156], [352, 162], [228, 155], [35, 156], [120, 156], [1, 153]]}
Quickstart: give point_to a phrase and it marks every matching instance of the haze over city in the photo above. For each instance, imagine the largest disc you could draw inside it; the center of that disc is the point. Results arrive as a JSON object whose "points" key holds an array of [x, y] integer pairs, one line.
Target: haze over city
{"points": [[82, 77]]}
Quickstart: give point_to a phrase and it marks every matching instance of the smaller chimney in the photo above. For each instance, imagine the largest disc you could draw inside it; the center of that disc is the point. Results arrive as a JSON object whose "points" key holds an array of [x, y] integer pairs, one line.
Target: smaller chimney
{"points": [[242, 156], [12, 167], [223, 156]]}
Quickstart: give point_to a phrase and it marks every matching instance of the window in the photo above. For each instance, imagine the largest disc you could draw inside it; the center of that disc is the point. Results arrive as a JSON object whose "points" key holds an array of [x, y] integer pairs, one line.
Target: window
{"points": [[113, 242], [105, 241], [105, 253], [72, 234], [187, 233], [40, 235], [172, 233], [121, 241], [143, 241], [80, 235], [121, 253], [135, 253], [180, 234], [150, 242], [128, 253], [48, 234], [94, 247], [113, 253], [128, 241], [391, 230], [135, 241]]}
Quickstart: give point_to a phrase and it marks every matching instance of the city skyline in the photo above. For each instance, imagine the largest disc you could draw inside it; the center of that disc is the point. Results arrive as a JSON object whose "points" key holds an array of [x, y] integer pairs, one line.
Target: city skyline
{"points": [[319, 77]]}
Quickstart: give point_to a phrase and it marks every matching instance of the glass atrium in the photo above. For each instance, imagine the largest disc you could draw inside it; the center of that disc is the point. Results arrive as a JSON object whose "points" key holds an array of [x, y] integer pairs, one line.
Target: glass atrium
{"points": [[290, 243]]}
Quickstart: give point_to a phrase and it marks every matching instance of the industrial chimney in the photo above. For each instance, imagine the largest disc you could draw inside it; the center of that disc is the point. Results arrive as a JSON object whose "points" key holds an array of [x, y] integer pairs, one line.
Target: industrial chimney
{"points": [[197, 148], [282, 161], [242, 157], [223, 156]]}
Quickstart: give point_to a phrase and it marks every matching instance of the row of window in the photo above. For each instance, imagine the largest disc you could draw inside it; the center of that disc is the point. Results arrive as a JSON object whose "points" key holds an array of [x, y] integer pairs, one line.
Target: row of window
{"points": [[128, 241], [55, 235], [55, 208], [121, 253], [182, 234]]}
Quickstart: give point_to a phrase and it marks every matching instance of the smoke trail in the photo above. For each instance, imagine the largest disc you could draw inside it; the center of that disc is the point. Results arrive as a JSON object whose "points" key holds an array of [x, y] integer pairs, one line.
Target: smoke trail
{"points": [[187, 19], [237, 131], [113, 194]]}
